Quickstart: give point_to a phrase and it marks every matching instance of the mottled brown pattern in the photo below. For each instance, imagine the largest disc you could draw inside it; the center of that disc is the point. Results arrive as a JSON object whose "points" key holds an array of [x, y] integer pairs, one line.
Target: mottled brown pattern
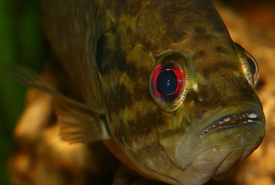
{"points": [[217, 66], [140, 127], [120, 99], [222, 49], [110, 48], [200, 30], [198, 55]]}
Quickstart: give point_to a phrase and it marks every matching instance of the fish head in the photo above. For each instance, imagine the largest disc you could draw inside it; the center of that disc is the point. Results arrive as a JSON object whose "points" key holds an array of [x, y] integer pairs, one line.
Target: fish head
{"points": [[214, 118], [179, 93]]}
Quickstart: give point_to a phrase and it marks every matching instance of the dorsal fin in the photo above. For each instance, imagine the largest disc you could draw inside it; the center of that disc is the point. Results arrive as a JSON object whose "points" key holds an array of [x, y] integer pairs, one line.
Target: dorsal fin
{"points": [[78, 122]]}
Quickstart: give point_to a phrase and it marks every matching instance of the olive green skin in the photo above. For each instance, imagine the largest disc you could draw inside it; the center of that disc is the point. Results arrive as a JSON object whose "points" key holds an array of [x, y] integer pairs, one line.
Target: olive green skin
{"points": [[109, 50]]}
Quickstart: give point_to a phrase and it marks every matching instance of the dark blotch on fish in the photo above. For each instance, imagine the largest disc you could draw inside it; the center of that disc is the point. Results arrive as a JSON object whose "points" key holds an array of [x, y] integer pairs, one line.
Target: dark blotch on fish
{"points": [[123, 99], [200, 30], [105, 63], [139, 126], [198, 55], [222, 49]]}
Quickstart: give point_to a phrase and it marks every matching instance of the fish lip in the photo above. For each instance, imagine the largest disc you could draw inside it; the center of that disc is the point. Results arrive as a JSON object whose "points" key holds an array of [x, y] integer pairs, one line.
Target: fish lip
{"points": [[232, 120], [235, 134], [202, 132]]}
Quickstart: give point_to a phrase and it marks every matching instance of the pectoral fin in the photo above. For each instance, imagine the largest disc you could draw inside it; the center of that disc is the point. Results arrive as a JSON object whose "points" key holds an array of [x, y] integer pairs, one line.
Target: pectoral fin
{"points": [[78, 122]]}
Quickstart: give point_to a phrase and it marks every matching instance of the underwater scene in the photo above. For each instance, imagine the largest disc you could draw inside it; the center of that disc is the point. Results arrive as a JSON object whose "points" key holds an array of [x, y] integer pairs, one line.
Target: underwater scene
{"points": [[151, 105]]}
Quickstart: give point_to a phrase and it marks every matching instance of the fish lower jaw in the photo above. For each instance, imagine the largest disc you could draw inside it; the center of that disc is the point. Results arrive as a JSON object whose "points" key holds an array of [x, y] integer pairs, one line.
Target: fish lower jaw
{"points": [[220, 149], [216, 161]]}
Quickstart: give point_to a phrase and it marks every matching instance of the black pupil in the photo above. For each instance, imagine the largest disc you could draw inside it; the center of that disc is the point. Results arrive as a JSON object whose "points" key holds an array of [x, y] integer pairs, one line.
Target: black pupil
{"points": [[252, 65], [167, 82]]}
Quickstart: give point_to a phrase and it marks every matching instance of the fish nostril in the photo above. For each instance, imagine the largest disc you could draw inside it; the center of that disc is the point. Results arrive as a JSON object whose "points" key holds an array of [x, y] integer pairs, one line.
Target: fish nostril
{"points": [[202, 98]]}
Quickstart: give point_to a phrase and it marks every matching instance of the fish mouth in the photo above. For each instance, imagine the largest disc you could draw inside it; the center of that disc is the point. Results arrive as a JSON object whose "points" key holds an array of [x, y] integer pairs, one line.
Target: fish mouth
{"points": [[216, 143], [232, 120]]}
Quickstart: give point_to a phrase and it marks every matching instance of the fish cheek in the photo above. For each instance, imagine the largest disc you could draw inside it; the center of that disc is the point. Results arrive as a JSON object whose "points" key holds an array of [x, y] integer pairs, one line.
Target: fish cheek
{"points": [[134, 120]]}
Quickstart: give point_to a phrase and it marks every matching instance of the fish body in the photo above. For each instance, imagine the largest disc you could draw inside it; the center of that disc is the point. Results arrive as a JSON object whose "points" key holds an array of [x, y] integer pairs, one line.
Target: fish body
{"points": [[121, 58]]}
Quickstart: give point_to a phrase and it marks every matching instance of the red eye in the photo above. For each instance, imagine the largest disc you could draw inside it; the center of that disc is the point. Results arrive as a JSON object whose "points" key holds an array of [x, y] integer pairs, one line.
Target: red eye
{"points": [[167, 81]]}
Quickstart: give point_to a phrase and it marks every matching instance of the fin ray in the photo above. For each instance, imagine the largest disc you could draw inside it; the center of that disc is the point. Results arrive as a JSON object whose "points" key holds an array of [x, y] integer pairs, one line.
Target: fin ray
{"points": [[78, 122], [27, 77]]}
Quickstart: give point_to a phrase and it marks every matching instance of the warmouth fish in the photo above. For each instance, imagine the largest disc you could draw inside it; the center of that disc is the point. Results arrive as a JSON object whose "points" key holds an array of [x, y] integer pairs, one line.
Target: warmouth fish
{"points": [[160, 82]]}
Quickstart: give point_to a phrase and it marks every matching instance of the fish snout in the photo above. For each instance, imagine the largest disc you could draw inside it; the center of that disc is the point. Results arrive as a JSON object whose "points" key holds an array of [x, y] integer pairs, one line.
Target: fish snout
{"points": [[213, 148]]}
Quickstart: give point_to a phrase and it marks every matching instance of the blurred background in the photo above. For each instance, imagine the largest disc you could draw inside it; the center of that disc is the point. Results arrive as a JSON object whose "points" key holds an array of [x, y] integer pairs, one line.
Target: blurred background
{"points": [[22, 42]]}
